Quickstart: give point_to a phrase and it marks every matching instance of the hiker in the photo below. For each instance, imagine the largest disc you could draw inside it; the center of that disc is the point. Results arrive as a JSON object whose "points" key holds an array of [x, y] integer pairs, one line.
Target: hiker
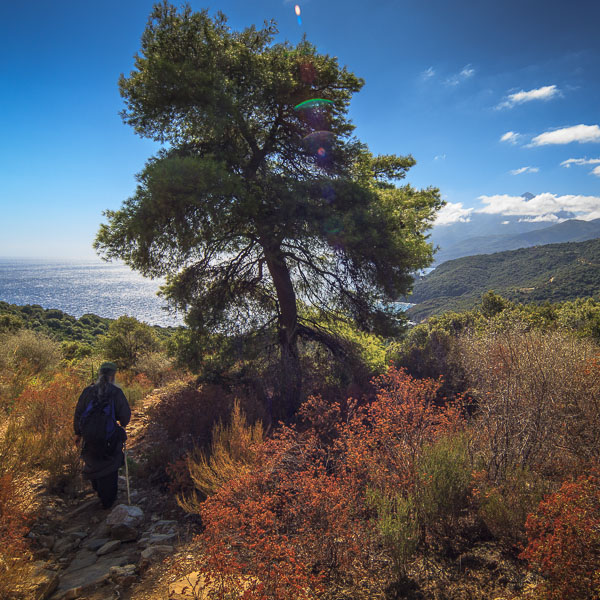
{"points": [[98, 409]]}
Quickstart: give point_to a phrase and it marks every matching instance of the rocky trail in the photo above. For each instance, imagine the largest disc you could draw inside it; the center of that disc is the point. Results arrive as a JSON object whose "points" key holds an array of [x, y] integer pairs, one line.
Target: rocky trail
{"points": [[83, 551]]}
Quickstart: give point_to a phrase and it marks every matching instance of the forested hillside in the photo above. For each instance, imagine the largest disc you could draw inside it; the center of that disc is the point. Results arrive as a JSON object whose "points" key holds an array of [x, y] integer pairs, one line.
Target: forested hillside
{"points": [[554, 272]]}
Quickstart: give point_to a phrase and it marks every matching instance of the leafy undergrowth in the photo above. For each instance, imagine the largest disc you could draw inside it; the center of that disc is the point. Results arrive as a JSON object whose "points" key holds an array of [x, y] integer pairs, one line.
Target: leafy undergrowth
{"points": [[342, 504], [395, 494]]}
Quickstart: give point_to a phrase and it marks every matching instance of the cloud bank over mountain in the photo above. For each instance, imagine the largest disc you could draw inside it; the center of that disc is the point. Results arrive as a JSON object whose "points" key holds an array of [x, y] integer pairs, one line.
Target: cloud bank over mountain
{"points": [[545, 207]]}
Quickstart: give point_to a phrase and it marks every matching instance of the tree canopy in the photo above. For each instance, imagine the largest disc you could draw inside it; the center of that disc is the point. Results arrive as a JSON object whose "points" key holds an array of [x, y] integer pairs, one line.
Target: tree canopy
{"points": [[261, 201]]}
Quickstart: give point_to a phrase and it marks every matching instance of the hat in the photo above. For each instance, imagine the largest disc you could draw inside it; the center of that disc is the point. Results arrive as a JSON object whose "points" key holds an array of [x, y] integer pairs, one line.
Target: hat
{"points": [[108, 366]]}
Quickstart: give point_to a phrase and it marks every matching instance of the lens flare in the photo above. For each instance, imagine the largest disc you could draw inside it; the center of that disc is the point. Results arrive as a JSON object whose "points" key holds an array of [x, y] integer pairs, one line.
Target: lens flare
{"points": [[297, 10], [313, 103], [318, 141]]}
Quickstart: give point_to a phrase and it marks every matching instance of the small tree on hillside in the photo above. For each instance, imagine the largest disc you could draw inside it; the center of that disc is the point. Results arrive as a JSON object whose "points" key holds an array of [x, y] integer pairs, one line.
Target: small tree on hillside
{"points": [[127, 340], [261, 199]]}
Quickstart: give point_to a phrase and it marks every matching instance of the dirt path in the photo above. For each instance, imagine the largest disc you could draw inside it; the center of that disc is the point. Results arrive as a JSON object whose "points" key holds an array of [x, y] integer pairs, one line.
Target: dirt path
{"points": [[83, 551]]}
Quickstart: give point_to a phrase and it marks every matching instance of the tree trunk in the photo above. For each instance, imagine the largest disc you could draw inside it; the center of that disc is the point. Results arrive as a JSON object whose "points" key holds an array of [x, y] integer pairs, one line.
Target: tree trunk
{"points": [[291, 377]]}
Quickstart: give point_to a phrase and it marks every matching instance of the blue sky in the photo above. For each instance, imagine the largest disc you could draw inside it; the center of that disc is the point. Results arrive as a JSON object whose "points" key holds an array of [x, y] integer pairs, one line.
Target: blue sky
{"points": [[493, 99]]}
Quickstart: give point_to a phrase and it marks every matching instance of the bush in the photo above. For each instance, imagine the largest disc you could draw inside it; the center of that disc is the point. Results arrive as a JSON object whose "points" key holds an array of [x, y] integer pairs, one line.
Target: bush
{"points": [[564, 540], [444, 484], [29, 352], [156, 366], [537, 400], [135, 387], [384, 439], [232, 454], [430, 351], [39, 431], [398, 526], [10, 323], [72, 351], [504, 506], [202, 406], [127, 340]]}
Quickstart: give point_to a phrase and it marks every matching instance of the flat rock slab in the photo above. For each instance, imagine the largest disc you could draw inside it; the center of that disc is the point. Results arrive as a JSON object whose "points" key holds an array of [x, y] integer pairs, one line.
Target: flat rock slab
{"points": [[154, 552], [96, 543], [93, 502], [156, 538], [84, 558], [74, 583], [108, 547]]}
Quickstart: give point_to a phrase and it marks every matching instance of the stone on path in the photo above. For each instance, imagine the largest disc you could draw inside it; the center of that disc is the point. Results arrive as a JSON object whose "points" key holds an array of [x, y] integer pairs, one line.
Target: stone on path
{"points": [[125, 533], [124, 576], [125, 515], [108, 547], [95, 543], [154, 552]]}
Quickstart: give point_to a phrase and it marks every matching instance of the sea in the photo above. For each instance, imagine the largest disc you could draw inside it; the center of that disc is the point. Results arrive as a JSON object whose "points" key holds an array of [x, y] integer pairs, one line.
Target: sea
{"points": [[78, 287]]}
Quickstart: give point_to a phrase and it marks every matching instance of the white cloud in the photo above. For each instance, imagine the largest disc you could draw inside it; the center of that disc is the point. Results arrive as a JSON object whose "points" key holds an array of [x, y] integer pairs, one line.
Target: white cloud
{"points": [[583, 161], [524, 170], [544, 93], [453, 213], [580, 161], [505, 222], [467, 72], [428, 73], [541, 207], [566, 135], [550, 218], [511, 137], [440, 157]]}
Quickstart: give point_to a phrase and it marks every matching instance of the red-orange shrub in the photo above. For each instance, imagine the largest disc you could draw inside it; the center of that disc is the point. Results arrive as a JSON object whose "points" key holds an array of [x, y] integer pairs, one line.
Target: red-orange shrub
{"points": [[39, 431], [382, 441], [564, 540]]}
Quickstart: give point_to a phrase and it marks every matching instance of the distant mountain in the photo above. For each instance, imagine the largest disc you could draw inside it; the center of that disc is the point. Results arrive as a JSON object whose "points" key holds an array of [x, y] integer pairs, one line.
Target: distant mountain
{"points": [[567, 231], [479, 225], [554, 272]]}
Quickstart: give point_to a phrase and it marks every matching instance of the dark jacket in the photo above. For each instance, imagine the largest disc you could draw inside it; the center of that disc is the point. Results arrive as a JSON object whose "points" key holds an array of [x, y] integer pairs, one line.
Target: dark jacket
{"points": [[95, 467]]}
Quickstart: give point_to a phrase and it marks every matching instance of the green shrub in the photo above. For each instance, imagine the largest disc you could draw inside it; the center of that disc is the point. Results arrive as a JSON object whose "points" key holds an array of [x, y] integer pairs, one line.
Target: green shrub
{"points": [[127, 340], [156, 366], [398, 526], [29, 352], [444, 482], [10, 323], [504, 506]]}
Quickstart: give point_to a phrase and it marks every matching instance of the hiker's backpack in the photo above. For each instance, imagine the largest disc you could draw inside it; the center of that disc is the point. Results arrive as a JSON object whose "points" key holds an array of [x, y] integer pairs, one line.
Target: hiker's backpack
{"points": [[98, 426]]}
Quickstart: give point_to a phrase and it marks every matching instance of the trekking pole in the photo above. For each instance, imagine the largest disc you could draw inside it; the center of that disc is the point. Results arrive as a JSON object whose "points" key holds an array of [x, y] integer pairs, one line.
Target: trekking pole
{"points": [[126, 472]]}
